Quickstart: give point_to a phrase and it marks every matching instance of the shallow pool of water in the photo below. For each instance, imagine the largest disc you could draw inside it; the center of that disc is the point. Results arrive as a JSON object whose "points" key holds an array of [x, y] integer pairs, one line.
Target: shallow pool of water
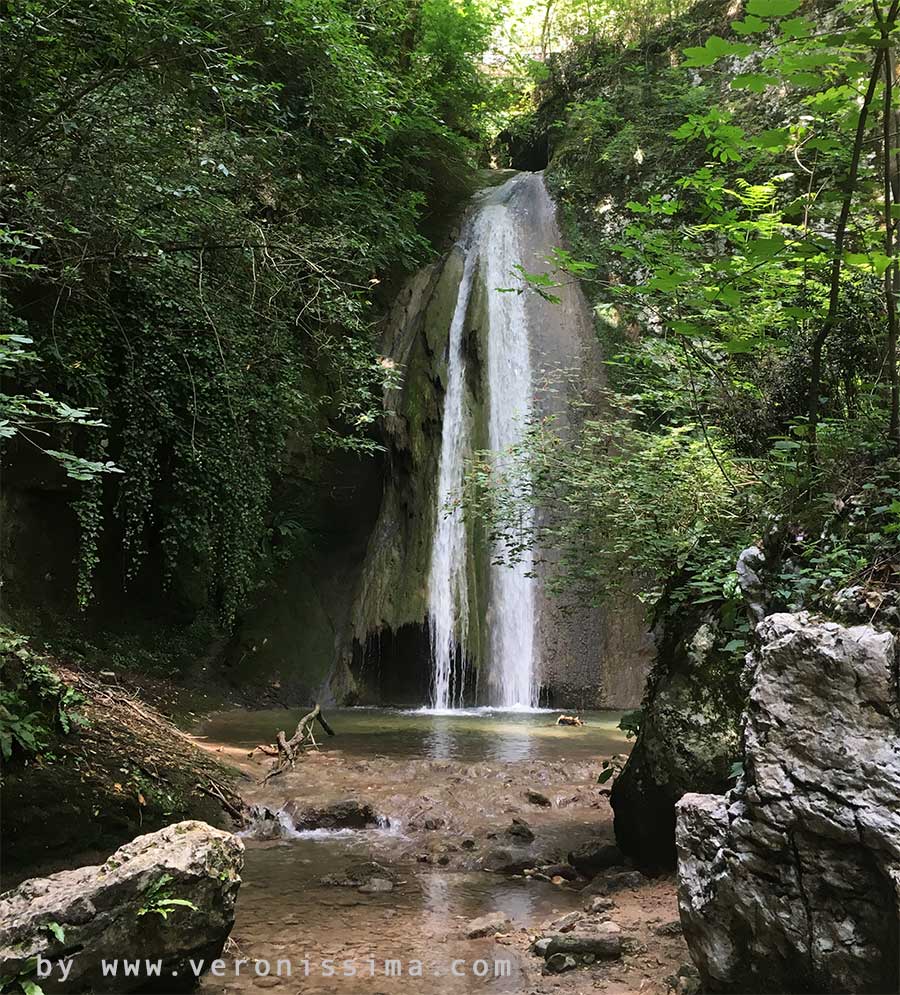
{"points": [[476, 734]]}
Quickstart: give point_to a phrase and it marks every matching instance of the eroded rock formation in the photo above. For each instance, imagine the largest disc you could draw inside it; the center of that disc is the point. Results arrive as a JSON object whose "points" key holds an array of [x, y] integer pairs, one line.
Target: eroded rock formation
{"points": [[791, 881]]}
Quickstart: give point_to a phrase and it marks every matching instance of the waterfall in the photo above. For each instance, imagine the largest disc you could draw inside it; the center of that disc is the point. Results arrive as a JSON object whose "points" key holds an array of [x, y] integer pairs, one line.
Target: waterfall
{"points": [[448, 607], [491, 247], [511, 677]]}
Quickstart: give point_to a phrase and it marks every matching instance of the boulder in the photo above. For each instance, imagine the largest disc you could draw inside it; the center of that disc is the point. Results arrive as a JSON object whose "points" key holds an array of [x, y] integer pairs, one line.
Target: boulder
{"points": [[359, 874], [521, 831], [502, 861], [538, 798], [790, 882], [688, 736], [168, 896], [591, 859], [493, 922], [610, 882], [346, 814], [565, 871], [602, 940]]}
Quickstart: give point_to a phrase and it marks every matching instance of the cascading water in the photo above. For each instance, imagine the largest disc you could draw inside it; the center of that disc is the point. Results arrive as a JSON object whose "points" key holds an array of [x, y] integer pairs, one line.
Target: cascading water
{"points": [[511, 676], [448, 607], [491, 248]]}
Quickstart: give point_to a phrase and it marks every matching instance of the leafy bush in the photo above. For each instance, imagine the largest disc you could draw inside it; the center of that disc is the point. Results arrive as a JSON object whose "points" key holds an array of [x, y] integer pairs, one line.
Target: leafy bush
{"points": [[201, 201], [35, 703]]}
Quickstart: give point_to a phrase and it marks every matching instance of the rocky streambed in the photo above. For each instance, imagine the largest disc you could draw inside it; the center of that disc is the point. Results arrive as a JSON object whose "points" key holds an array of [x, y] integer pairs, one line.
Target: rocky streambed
{"points": [[363, 870]]}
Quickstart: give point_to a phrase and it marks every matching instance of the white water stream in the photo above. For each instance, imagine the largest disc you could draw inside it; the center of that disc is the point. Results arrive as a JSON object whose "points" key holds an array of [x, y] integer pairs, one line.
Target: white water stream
{"points": [[492, 248]]}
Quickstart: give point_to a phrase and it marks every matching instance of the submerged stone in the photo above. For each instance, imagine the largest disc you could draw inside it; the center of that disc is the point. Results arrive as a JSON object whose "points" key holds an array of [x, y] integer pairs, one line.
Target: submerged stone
{"points": [[346, 814], [488, 925]]}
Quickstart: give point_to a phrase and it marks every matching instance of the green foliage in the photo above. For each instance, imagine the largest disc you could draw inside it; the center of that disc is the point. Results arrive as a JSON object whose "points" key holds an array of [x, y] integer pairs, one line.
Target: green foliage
{"points": [[28, 419], [23, 982], [158, 900], [702, 223], [609, 769], [201, 201], [630, 723], [35, 702]]}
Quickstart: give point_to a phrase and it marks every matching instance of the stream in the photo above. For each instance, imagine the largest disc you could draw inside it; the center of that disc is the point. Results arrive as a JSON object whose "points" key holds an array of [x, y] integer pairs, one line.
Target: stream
{"points": [[446, 788]]}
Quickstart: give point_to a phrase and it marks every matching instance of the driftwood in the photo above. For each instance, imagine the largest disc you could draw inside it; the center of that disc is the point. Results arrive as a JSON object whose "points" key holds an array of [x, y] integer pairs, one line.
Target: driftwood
{"points": [[270, 750], [234, 804], [285, 751], [569, 720]]}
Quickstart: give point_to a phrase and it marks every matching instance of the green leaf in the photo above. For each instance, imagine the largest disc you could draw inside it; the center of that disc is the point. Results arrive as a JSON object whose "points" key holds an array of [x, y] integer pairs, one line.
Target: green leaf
{"points": [[772, 8], [807, 81], [761, 249], [773, 139], [56, 930], [755, 82], [714, 49], [796, 27], [177, 901], [874, 262], [749, 26]]}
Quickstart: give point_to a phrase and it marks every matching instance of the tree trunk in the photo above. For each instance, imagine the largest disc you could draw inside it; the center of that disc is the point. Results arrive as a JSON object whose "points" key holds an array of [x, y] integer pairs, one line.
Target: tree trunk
{"points": [[815, 369]]}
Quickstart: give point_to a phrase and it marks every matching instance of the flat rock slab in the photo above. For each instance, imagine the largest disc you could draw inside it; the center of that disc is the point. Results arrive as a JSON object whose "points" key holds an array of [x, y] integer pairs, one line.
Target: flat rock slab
{"points": [[110, 912], [493, 922]]}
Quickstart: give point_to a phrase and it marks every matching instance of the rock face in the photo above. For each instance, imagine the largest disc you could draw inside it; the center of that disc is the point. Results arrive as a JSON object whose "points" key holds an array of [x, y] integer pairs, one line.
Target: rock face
{"points": [[687, 741], [112, 912], [791, 882]]}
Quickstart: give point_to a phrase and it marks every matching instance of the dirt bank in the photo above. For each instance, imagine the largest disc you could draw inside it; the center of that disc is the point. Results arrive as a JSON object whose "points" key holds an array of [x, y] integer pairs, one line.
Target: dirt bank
{"points": [[109, 765]]}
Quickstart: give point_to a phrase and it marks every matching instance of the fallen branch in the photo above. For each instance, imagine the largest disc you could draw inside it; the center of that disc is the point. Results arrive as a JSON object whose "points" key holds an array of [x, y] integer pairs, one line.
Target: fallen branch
{"points": [[269, 749], [287, 749], [214, 790]]}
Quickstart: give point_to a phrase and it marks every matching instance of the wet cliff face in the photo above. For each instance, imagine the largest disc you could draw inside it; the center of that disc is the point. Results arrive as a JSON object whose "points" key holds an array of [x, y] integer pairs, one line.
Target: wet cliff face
{"points": [[587, 657], [591, 657]]}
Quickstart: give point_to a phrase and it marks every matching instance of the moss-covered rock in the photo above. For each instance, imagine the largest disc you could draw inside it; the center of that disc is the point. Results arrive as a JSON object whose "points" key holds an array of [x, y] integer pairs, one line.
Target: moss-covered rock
{"points": [[688, 738]]}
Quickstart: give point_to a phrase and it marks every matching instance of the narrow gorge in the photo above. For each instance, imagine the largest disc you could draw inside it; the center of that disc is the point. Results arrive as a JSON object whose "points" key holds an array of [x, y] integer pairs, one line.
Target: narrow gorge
{"points": [[450, 507]]}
